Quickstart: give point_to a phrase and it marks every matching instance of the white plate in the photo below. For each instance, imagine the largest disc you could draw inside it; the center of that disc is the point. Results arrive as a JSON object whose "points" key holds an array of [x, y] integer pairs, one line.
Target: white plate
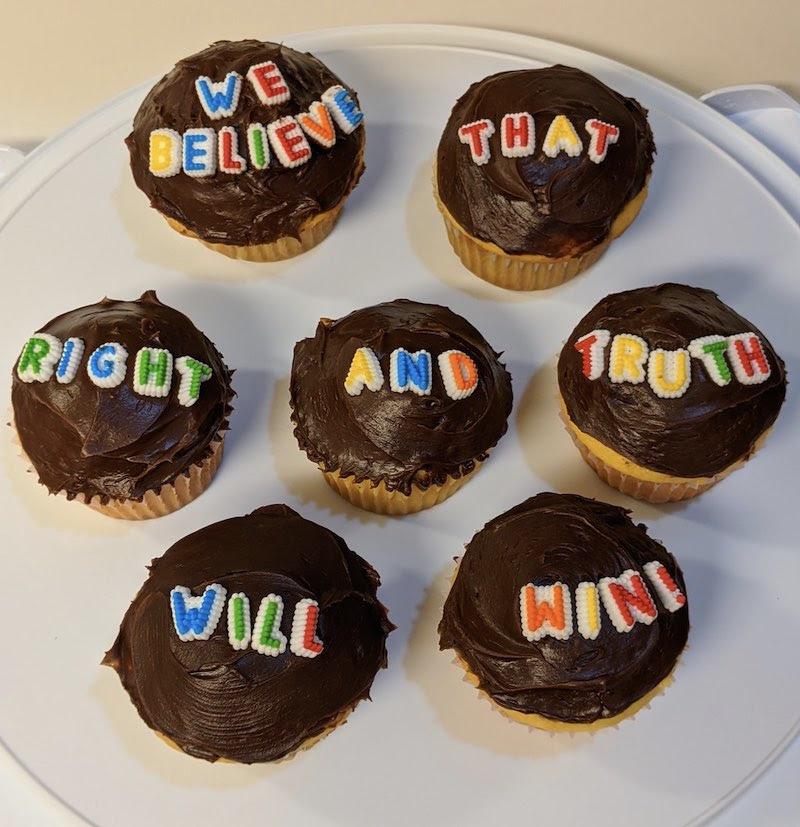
{"points": [[721, 213]]}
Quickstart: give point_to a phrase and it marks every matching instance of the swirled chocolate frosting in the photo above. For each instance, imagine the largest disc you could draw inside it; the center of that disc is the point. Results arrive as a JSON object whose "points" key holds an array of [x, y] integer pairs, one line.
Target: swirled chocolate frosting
{"points": [[256, 206], [538, 205], [215, 701], [696, 435], [112, 442], [571, 539], [400, 438]]}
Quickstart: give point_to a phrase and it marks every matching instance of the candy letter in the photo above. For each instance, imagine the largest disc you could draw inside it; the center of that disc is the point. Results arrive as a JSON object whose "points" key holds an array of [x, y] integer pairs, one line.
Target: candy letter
{"points": [[592, 348], [258, 146], [587, 608], [545, 610], [317, 124], [410, 371], [289, 142], [165, 152], [304, 641], [267, 636], [627, 600], [196, 617], [365, 370], [343, 108], [710, 350], [229, 159], [193, 374], [476, 136], [71, 355], [561, 135], [107, 365], [152, 374], [219, 99], [747, 359], [268, 83], [459, 374], [199, 152], [602, 135], [39, 358], [239, 621], [517, 135], [666, 588], [628, 355], [669, 372]]}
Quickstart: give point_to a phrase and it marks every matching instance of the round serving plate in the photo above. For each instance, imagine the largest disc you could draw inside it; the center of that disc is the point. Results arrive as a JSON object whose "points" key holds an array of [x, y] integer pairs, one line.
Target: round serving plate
{"points": [[722, 213]]}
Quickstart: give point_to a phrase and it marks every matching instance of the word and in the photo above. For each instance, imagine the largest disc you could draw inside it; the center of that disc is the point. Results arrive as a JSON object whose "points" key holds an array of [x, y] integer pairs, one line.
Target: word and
{"points": [[45, 355], [195, 617], [518, 137], [547, 610], [412, 372], [201, 151], [669, 372]]}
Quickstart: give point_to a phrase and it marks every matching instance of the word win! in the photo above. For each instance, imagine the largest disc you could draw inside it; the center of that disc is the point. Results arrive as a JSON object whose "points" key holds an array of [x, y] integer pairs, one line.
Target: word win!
{"points": [[201, 151], [195, 617], [547, 610], [45, 355], [518, 137]]}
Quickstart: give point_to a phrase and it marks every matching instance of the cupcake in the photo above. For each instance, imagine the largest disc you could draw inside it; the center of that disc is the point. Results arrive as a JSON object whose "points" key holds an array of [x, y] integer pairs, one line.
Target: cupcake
{"points": [[565, 614], [250, 147], [398, 404], [122, 405], [537, 171], [252, 638], [665, 390]]}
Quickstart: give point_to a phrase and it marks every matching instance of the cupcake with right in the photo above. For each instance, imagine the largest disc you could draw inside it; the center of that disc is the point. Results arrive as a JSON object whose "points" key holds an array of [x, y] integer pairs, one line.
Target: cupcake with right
{"points": [[665, 390]]}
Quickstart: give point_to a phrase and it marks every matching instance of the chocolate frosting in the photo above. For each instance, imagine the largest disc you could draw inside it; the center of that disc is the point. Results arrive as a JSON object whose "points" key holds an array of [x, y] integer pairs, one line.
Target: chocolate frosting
{"points": [[696, 435], [538, 205], [571, 539], [216, 702], [112, 442], [400, 438], [256, 206]]}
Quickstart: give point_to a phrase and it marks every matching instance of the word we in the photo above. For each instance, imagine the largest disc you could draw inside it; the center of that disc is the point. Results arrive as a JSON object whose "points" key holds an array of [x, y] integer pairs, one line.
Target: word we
{"points": [[195, 617], [107, 366], [668, 372], [547, 610], [412, 372], [518, 137], [201, 151]]}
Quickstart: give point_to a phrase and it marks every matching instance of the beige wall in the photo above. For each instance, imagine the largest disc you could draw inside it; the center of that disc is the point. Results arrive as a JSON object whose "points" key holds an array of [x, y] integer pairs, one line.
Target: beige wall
{"points": [[67, 56]]}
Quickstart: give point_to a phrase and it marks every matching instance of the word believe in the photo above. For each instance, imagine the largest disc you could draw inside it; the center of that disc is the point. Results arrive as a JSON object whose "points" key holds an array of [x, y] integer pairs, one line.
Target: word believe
{"points": [[200, 151], [547, 610], [195, 617], [668, 372], [107, 366], [518, 137], [412, 372]]}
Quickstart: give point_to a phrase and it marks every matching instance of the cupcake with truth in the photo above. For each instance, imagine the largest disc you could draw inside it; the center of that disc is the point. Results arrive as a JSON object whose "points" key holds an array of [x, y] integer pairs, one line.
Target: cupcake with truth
{"points": [[665, 390], [398, 404], [537, 171], [252, 638], [122, 405], [565, 614], [251, 147]]}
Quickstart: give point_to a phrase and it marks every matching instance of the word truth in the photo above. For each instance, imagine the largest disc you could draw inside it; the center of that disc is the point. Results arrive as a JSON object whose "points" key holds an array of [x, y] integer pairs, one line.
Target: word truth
{"points": [[195, 617]]}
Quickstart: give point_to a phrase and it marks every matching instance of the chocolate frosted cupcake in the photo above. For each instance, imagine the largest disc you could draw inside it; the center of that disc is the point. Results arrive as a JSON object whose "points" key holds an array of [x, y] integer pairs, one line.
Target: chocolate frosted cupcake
{"points": [[251, 147], [665, 390], [122, 405], [398, 404], [566, 614], [252, 638], [537, 171]]}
